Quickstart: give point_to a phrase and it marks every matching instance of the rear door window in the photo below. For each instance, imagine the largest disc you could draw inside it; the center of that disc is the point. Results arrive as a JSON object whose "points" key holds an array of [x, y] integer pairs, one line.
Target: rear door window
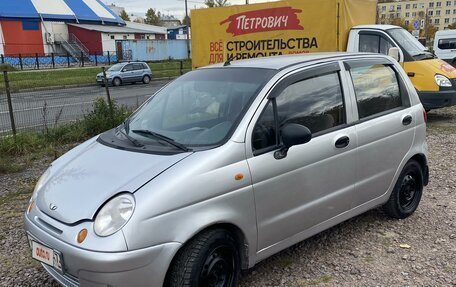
{"points": [[377, 89], [138, 67]]}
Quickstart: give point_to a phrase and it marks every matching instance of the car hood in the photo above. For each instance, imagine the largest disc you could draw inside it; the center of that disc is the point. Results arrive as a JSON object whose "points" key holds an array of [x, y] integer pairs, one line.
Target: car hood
{"points": [[82, 180], [440, 67]]}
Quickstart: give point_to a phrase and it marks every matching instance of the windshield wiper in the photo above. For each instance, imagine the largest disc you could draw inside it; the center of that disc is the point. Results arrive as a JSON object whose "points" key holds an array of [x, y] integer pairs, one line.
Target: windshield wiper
{"points": [[134, 141], [164, 138]]}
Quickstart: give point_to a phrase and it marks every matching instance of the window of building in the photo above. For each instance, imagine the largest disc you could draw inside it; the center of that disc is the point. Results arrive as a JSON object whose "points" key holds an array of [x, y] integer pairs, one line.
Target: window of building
{"points": [[399, 7], [448, 3], [383, 8], [415, 6], [376, 88], [454, 11], [422, 5], [431, 4], [438, 4], [437, 21], [406, 22], [447, 20], [392, 8], [28, 25], [413, 14], [407, 6], [447, 12], [407, 14], [112, 37], [125, 37], [430, 13], [437, 13]]}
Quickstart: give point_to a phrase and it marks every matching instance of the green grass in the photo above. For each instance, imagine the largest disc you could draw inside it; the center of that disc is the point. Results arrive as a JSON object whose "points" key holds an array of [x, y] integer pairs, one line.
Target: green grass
{"points": [[79, 76], [50, 141]]}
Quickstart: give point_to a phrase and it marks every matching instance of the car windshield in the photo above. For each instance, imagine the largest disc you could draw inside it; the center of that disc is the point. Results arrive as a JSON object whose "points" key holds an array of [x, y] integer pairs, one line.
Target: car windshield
{"points": [[116, 68], [200, 108], [410, 44]]}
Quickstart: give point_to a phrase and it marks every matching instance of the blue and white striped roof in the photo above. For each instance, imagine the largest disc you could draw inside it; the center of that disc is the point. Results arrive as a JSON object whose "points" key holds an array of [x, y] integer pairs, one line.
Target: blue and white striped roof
{"points": [[76, 11]]}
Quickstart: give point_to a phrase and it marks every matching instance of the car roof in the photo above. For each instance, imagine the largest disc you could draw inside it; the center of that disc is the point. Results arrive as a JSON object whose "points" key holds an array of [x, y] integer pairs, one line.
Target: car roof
{"points": [[446, 32], [376, 27], [285, 61]]}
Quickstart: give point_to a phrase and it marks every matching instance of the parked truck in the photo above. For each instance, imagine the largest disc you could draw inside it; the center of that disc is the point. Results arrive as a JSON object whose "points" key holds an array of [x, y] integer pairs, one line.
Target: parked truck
{"points": [[307, 26]]}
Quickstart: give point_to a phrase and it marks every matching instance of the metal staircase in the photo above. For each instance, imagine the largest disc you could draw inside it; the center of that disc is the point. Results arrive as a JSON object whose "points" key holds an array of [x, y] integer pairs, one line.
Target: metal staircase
{"points": [[74, 47]]}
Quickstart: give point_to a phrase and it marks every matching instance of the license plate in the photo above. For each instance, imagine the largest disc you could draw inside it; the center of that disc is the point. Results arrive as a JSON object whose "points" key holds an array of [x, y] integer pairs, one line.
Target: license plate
{"points": [[46, 255]]}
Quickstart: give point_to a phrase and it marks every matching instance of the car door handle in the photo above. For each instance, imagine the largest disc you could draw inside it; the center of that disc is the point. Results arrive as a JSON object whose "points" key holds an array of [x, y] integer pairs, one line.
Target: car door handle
{"points": [[342, 142], [407, 120]]}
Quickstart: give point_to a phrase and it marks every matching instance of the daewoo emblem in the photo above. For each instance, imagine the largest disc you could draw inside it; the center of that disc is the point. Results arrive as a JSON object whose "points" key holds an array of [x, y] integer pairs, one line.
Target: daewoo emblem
{"points": [[52, 206]]}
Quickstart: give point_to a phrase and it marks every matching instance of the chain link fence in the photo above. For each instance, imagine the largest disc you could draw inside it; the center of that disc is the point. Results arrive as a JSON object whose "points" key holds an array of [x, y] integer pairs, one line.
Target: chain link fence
{"points": [[40, 100]]}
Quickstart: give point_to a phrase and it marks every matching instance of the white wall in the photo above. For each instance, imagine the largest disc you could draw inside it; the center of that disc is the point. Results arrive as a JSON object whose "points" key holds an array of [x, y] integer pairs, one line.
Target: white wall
{"points": [[2, 42], [58, 30], [109, 44]]}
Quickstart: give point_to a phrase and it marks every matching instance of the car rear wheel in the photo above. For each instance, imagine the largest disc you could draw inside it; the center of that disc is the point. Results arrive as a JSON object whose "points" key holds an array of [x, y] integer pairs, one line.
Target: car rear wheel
{"points": [[209, 260], [146, 79], [406, 195], [116, 82]]}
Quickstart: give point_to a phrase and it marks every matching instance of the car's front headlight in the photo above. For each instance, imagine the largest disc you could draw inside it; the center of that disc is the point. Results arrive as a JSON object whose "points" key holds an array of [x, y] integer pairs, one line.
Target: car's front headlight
{"points": [[114, 215], [442, 81], [38, 187]]}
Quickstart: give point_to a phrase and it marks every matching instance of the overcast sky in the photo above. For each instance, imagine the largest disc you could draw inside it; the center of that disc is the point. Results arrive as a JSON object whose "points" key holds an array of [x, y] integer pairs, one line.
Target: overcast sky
{"points": [[171, 7]]}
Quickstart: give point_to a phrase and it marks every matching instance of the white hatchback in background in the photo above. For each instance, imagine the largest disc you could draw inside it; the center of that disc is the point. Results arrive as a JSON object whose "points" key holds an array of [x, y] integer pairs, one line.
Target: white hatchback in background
{"points": [[445, 45]]}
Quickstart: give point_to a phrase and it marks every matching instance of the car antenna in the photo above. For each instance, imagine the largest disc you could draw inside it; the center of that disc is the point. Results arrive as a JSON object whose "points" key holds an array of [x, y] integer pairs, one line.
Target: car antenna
{"points": [[228, 62]]}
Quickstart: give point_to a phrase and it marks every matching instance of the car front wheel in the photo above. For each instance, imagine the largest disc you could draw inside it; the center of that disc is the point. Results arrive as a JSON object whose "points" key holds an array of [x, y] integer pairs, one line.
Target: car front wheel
{"points": [[209, 260], [406, 195]]}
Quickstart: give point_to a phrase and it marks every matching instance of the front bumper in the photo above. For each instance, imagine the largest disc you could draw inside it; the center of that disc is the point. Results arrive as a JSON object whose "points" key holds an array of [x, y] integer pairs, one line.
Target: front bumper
{"points": [[438, 99], [144, 267], [101, 81]]}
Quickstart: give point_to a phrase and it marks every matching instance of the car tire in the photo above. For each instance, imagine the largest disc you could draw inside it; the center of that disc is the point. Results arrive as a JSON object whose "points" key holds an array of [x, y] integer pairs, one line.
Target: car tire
{"points": [[407, 192], [146, 79], [210, 259], [116, 82]]}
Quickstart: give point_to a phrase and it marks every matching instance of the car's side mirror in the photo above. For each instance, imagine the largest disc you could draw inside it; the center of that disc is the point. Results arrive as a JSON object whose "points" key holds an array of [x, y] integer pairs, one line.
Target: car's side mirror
{"points": [[393, 52], [292, 134]]}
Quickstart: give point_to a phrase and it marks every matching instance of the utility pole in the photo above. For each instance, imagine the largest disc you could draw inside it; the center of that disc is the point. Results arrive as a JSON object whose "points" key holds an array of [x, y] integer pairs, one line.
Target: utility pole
{"points": [[188, 30]]}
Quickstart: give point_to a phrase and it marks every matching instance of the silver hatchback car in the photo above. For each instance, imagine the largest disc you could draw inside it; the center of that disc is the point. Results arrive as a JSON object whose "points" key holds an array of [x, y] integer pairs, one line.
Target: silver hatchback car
{"points": [[130, 72], [228, 165]]}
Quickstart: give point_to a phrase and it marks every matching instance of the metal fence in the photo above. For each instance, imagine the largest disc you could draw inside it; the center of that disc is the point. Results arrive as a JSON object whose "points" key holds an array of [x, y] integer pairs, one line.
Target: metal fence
{"points": [[25, 107], [61, 60]]}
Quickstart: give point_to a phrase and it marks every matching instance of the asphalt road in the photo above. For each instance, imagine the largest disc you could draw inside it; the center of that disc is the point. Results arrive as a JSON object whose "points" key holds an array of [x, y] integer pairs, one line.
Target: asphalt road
{"points": [[37, 108]]}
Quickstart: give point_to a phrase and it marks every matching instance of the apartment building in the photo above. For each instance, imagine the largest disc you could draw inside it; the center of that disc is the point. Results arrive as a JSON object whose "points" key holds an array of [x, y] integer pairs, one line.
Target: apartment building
{"points": [[438, 13]]}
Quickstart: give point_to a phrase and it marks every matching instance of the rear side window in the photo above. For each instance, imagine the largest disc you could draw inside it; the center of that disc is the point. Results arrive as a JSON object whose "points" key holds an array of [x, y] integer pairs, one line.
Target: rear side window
{"points": [[376, 88], [447, 44]]}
